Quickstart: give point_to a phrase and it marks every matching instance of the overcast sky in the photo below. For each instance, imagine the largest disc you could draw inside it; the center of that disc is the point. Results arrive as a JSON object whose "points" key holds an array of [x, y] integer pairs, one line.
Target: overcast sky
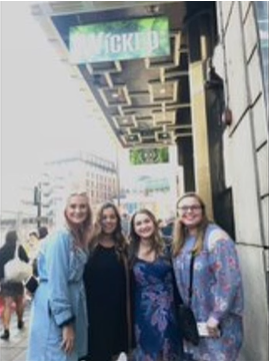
{"points": [[43, 115]]}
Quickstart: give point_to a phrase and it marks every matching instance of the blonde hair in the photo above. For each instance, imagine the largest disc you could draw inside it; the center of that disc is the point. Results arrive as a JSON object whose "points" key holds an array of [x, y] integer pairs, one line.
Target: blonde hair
{"points": [[80, 233], [180, 230]]}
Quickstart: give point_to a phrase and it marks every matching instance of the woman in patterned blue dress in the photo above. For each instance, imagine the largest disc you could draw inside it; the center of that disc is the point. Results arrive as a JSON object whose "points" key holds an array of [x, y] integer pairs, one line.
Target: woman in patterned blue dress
{"points": [[217, 298], [156, 329]]}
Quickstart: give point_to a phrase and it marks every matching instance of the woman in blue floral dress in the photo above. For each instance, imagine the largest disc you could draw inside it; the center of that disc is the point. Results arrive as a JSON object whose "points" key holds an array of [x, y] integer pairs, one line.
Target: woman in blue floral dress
{"points": [[156, 329], [217, 297]]}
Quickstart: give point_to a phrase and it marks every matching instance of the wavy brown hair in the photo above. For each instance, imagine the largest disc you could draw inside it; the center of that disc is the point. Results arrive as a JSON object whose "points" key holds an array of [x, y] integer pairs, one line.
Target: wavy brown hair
{"points": [[157, 242], [118, 237], [181, 231], [80, 232]]}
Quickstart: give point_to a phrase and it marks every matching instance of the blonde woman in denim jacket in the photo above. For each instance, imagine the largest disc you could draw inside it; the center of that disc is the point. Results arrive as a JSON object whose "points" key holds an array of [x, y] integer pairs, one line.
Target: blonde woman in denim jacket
{"points": [[58, 328]]}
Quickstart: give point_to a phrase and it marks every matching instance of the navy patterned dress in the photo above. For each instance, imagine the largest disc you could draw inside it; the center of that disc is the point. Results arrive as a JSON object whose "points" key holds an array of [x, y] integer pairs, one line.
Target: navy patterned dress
{"points": [[156, 330]]}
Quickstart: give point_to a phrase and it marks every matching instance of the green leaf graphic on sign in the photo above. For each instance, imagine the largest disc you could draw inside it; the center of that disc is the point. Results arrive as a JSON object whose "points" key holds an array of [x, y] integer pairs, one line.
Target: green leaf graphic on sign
{"points": [[149, 156]]}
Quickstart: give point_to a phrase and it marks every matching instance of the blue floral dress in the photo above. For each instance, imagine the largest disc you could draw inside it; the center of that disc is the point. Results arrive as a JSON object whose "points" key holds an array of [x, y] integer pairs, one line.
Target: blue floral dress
{"points": [[156, 330], [217, 293]]}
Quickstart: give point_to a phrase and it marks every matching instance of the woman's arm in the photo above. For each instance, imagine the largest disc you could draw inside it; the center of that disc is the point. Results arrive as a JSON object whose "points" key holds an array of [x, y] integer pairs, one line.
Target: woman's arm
{"points": [[226, 270], [22, 254], [57, 260]]}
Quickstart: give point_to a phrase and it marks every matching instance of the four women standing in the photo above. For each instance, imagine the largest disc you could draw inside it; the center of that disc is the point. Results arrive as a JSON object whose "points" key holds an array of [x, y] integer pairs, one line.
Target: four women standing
{"points": [[60, 321]]}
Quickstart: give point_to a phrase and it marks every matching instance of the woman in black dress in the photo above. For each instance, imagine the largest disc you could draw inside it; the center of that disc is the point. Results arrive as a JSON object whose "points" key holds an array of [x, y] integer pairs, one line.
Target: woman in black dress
{"points": [[107, 287]]}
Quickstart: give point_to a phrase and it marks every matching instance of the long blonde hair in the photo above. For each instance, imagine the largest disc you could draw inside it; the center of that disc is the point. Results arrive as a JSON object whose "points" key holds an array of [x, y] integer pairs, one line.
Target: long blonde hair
{"points": [[180, 230], [80, 233]]}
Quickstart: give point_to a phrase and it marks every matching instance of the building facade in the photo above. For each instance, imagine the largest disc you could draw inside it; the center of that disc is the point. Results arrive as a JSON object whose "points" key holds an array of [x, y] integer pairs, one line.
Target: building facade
{"points": [[216, 114], [96, 175], [241, 59]]}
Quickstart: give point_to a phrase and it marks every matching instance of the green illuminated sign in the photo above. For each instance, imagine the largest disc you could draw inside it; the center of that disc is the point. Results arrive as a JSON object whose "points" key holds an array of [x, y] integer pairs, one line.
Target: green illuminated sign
{"points": [[149, 156], [119, 40]]}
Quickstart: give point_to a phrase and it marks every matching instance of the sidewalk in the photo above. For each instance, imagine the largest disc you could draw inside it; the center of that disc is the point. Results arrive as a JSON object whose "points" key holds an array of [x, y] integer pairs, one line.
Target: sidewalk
{"points": [[15, 348]]}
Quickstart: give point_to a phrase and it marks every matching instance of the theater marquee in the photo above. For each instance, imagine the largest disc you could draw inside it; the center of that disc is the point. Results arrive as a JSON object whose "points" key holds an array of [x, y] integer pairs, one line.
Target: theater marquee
{"points": [[119, 40]]}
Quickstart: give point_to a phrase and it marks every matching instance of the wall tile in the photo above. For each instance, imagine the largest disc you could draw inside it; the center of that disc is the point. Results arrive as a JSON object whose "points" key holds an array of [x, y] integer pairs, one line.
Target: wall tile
{"points": [[259, 123], [243, 164], [255, 78], [262, 158], [236, 66], [250, 32], [252, 266]]}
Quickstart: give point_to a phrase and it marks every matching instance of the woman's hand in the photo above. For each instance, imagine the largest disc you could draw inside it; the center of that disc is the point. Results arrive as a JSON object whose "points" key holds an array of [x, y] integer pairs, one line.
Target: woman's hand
{"points": [[213, 332], [68, 342], [28, 295], [213, 327]]}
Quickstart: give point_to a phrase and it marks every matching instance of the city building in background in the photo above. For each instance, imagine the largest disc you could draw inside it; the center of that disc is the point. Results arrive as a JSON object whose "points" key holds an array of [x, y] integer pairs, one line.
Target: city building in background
{"points": [[95, 174], [28, 215], [203, 91], [42, 202]]}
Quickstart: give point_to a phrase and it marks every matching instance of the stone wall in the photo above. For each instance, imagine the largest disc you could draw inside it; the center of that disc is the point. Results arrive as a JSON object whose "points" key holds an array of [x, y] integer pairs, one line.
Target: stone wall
{"points": [[237, 61]]}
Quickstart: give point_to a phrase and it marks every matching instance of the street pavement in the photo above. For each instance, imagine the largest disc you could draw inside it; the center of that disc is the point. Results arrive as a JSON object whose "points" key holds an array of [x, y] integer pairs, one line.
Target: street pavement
{"points": [[15, 348]]}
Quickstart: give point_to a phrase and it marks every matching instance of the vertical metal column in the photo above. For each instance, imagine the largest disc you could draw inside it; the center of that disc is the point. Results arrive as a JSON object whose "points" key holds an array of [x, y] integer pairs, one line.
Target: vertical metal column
{"points": [[38, 203], [198, 48], [118, 185]]}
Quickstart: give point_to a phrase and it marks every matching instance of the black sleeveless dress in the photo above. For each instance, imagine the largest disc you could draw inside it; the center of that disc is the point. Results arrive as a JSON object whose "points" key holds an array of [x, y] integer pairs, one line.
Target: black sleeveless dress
{"points": [[105, 284]]}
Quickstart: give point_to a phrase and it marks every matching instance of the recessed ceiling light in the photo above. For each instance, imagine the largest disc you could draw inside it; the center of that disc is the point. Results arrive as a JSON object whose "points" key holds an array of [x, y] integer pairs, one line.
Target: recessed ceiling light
{"points": [[115, 95], [153, 9]]}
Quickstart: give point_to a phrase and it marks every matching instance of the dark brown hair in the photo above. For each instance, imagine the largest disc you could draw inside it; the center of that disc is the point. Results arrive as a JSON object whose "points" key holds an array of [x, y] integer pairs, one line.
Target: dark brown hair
{"points": [[118, 237]]}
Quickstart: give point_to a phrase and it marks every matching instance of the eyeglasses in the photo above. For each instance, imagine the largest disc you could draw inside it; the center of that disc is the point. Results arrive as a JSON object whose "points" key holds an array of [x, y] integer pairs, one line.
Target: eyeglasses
{"points": [[185, 209]]}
